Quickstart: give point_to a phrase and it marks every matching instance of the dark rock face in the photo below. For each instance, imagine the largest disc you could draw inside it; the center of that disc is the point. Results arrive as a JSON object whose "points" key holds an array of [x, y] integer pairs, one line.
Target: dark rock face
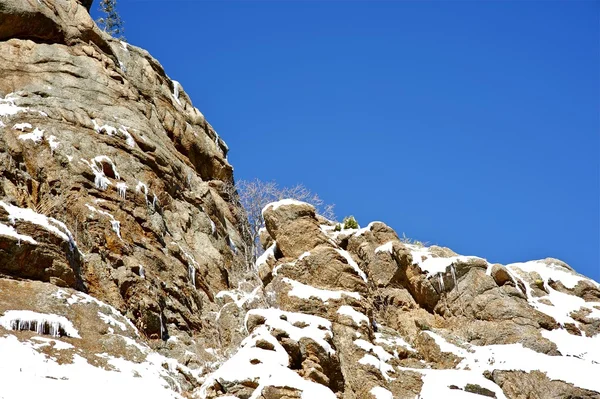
{"points": [[119, 259]]}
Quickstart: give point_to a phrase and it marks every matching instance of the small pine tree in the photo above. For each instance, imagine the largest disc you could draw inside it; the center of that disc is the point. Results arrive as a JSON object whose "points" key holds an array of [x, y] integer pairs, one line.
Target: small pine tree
{"points": [[350, 223], [111, 22]]}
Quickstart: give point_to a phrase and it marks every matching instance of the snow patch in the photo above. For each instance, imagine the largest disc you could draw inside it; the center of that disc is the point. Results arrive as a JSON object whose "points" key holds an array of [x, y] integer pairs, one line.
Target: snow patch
{"points": [[355, 315], [307, 291]]}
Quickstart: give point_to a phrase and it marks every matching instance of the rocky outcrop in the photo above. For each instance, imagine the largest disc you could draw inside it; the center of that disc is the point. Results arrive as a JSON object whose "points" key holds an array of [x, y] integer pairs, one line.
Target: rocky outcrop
{"points": [[120, 273], [111, 182], [360, 314]]}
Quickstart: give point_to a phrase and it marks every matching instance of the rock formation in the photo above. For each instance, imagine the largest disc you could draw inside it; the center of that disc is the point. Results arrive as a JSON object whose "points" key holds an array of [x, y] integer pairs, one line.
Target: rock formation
{"points": [[120, 272]]}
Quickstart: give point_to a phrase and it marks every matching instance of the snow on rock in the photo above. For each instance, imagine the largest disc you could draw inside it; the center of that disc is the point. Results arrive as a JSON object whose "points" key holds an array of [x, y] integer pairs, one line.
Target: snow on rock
{"points": [[176, 88], [53, 143], [432, 265], [316, 328], [115, 224], [562, 305], [54, 343], [270, 367], [352, 263], [9, 231], [387, 247], [355, 315], [142, 187], [381, 393], [307, 291], [24, 369], [41, 323], [585, 348], [379, 364], [36, 136], [551, 271], [29, 215], [23, 126], [477, 359], [284, 202], [262, 259], [128, 137], [393, 342], [240, 298]]}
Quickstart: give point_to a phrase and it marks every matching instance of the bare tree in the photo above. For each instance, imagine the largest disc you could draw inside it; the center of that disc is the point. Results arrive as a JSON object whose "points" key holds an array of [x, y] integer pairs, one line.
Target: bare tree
{"points": [[111, 22], [254, 195]]}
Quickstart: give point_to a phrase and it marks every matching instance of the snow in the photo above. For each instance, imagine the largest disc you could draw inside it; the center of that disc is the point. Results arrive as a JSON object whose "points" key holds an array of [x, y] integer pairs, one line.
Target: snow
{"points": [[108, 319], [381, 393], [192, 265], [387, 247], [8, 107], [552, 271], [81, 298], [562, 304], [585, 348], [29, 215], [142, 186], [128, 137], [477, 359], [271, 367], [23, 126], [283, 202], [316, 328], [36, 136], [124, 44], [176, 88], [53, 143], [122, 189], [107, 129], [115, 224], [352, 263], [42, 323], [28, 373], [307, 291], [239, 297], [54, 343], [356, 316], [10, 231], [304, 255], [393, 341], [382, 366], [436, 384], [381, 353], [434, 265], [263, 258]]}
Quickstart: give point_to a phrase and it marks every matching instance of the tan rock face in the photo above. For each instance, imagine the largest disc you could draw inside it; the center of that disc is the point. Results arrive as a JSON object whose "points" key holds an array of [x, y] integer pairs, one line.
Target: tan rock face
{"points": [[114, 185], [111, 181]]}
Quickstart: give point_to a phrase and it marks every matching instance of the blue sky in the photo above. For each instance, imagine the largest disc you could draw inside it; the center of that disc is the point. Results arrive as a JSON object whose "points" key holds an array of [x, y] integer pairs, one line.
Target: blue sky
{"points": [[472, 125]]}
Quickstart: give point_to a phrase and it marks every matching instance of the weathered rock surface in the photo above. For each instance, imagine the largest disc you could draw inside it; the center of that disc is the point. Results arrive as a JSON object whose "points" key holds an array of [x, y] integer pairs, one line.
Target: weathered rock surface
{"points": [[120, 274]]}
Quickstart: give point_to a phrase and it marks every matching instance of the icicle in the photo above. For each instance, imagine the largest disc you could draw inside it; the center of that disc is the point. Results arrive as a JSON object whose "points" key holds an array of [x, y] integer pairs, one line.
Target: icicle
{"points": [[122, 188], [192, 273], [154, 201], [453, 275], [116, 226], [142, 272], [213, 228], [162, 327], [142, 186], [441, 281]]}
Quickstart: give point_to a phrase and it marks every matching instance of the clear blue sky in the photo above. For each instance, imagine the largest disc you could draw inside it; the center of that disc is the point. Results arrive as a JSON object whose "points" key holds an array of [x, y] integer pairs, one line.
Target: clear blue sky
{"points": [[472, 125]]}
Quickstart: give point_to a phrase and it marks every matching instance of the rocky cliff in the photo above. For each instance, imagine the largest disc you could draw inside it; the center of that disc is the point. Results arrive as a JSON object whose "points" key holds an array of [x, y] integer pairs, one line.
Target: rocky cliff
{"points": [[120, 273]]}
